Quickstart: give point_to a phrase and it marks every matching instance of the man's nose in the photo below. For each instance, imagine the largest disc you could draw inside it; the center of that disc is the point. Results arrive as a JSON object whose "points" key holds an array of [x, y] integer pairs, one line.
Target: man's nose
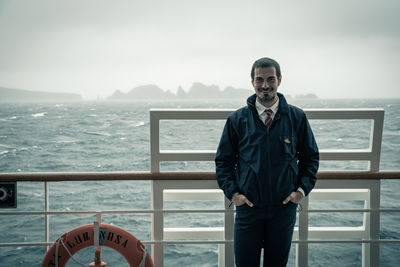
{"points": [[265, 84]]}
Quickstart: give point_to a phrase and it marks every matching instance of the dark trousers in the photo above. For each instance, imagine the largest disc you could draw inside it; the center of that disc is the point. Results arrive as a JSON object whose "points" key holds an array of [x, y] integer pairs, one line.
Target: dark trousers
{"points": [[270, 228]]}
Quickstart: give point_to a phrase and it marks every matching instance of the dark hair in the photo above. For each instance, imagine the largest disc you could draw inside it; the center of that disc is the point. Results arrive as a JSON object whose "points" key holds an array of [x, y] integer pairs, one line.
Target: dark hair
{"points": [[266, 62]]}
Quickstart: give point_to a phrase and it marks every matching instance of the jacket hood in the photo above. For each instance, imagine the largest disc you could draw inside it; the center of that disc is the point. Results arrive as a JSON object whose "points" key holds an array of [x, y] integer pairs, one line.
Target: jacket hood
{"points": [[283, 105]]}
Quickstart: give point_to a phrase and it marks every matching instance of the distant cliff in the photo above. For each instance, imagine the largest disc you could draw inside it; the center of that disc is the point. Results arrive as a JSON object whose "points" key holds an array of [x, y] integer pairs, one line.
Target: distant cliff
{"points": [[142, 92], [19, 95], [197, 91]]}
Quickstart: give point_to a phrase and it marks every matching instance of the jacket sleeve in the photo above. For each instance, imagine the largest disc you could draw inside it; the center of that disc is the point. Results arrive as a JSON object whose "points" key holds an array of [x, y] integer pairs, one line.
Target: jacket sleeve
{"points": [[308, 157], [226, 160]]}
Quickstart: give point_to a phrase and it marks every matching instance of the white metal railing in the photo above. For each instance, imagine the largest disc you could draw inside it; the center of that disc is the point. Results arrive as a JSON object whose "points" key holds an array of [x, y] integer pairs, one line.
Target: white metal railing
{"points": [[372, 154], [366, 190], [162, 190]]}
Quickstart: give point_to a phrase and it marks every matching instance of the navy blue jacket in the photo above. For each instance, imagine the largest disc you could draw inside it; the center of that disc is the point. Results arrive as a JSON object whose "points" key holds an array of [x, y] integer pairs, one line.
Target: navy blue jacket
{"points": [[267, 164]]}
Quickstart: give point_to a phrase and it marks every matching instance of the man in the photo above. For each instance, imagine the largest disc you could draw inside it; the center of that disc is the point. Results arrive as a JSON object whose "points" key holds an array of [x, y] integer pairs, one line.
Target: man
{"points": [[266, 162]]}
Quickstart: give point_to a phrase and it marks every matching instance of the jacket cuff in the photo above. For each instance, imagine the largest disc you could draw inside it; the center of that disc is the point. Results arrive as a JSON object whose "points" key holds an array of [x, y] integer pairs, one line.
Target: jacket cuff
{"points": [[301, 191]]}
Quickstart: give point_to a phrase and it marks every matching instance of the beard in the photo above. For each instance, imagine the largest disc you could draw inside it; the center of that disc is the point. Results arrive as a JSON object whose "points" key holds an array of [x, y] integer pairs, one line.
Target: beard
{"points": [[266, 95]]}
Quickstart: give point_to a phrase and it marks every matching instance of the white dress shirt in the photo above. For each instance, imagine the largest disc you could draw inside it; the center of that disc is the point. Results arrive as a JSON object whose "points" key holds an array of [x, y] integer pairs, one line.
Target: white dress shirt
{"points": [[261, 110]]}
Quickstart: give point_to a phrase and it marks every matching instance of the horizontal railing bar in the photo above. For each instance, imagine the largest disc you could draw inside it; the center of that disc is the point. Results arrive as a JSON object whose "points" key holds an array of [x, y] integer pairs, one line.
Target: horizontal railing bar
{"points": [[190, 114], [386, 241], [293, 241], [76, 212], [351, 210], [181, 211], [220, 114], [344, 114], [27, 244], [209, 155], [190, 175], [347, 241], [113, 212], [187, 155]]}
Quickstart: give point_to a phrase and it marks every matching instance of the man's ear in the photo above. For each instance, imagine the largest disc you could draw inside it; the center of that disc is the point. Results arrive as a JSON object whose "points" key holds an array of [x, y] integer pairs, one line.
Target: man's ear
{"points": [[279, 80]]}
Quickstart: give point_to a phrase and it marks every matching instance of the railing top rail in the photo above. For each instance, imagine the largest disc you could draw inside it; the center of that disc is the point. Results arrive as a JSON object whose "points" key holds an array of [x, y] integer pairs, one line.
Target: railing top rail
{"points": [[162, 110], [220, 114], [198, 175]]}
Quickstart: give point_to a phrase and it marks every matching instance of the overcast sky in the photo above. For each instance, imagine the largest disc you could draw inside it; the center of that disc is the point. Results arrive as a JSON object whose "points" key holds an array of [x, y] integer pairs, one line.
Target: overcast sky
{"points": [[338, 49]]}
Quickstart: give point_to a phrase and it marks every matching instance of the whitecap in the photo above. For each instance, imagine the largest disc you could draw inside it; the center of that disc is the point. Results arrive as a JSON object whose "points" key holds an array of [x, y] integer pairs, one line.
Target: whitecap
{"points": [[4, 152], [65, 140], [138, 124], [36, 115], [97, 133], [13, 118]]}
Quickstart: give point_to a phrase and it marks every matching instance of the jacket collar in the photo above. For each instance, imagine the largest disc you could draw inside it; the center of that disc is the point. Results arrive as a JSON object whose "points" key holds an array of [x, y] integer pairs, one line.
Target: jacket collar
{"points": [[261, 109], [283, 105]]}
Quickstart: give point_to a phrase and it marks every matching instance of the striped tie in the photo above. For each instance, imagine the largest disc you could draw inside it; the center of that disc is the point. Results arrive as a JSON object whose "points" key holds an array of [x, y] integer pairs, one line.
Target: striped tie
{"points": [[268, 120]]}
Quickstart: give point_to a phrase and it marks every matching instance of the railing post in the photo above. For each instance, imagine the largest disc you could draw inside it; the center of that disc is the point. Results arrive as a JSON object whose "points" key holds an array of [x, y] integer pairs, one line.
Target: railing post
{"points": [[46, 217], [154, 142], [226, 252], [302, 247], [370, 251], [376, 141], [157, 223]]}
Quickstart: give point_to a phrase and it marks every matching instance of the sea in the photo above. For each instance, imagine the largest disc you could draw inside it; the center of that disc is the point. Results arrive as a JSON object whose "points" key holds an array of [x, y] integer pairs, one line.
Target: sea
{"points": [[105, 136]]}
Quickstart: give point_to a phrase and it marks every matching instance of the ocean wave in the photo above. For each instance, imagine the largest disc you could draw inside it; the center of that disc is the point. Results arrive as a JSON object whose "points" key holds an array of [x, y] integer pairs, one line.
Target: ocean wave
{"points": [[4, 152], [97, 133], [138, 124], [37, 115], [65, 140]]}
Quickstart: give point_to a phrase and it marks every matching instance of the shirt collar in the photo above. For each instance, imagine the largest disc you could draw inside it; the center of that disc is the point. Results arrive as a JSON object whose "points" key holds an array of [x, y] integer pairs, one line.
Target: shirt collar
{"points": [[260, 108]]}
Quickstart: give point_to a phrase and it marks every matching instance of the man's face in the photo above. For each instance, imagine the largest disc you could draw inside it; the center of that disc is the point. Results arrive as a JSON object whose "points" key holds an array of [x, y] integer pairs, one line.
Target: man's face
{"points": [[266, 84]]}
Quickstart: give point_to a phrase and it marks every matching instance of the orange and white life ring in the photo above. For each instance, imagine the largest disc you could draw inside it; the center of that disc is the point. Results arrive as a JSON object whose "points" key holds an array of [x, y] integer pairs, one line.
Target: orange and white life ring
{"points": [[109, 235]]}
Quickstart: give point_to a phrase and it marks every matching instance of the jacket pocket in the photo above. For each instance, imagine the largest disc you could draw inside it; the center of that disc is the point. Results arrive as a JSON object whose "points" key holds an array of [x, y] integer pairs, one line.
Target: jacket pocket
{"points": [[289, 145]]}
